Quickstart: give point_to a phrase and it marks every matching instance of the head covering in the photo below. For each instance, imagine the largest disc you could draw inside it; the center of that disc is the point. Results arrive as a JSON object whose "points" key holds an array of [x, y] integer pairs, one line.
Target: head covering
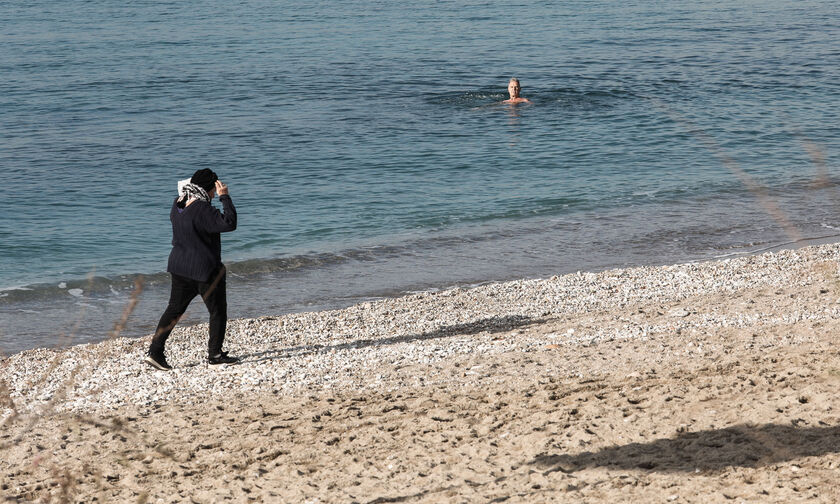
{"points": [[205, 179], [192, 191]]}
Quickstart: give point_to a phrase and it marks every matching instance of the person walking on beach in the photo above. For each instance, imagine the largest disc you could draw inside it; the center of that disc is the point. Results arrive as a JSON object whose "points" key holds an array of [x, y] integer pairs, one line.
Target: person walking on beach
{"points": [[513, 90], [195, 264]]}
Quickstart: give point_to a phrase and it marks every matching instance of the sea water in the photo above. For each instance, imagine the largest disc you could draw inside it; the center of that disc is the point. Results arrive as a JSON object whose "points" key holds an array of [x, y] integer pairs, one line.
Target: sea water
{"points": [[368, 154]]}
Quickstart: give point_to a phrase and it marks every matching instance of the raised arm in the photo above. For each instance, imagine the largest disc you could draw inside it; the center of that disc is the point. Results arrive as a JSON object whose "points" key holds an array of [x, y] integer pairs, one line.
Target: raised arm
{"points": [[224, 221]]}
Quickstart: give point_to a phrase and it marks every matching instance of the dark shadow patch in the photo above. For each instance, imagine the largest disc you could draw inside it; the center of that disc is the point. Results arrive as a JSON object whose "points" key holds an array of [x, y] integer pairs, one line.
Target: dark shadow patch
{"points": [[708, 450], [490, 325]]}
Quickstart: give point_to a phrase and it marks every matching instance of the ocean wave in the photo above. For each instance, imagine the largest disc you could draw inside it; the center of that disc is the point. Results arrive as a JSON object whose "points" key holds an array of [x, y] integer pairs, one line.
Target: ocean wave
{"points": [[456, 238]]}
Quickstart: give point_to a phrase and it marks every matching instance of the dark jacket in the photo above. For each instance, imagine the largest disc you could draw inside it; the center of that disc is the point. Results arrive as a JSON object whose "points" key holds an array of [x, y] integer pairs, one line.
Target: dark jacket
{"points": [[196, 243]]}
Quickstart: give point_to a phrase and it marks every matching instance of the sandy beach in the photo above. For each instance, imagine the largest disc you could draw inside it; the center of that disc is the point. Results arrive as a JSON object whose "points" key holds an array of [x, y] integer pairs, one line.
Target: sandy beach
{"points": [[704, 382]]}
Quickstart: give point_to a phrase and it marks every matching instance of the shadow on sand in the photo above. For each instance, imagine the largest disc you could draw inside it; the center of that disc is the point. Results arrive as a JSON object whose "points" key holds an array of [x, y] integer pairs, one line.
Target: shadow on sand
{"points": [[490, 325], [709, 450]]}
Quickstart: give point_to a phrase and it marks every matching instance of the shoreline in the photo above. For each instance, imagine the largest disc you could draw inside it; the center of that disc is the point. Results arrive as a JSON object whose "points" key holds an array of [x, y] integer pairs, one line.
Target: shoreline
{"points": [[425, 316], [94, 306], [558, 377]]}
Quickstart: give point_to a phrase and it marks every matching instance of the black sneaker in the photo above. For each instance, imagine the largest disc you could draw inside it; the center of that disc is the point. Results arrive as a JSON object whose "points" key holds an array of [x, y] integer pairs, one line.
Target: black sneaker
{"points": [[222, 358], [157, 362]]}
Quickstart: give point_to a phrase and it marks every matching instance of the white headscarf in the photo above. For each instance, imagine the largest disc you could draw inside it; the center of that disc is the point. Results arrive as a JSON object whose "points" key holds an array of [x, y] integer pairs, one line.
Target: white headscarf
{"points": [[192, 191]]}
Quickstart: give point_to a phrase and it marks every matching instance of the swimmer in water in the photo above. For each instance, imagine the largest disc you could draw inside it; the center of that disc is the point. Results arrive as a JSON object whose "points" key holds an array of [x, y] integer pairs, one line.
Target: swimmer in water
{"points": [[513, 89]]}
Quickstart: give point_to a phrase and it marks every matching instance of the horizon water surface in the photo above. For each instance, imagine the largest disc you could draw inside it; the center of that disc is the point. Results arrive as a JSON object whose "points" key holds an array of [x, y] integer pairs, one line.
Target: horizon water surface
{"points": [[368, 154]]}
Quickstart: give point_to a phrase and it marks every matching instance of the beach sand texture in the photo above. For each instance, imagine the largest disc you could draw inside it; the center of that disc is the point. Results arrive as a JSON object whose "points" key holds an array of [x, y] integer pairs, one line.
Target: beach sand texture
{"points": [[708, 382]]}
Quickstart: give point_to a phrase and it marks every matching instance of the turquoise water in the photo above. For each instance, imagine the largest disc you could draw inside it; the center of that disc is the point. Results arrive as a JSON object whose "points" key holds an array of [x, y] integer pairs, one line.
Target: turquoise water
{"points": [[368, 154]]}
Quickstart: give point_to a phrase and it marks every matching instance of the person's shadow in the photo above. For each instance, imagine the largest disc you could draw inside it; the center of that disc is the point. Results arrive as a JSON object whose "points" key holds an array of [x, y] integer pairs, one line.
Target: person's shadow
{"points": [[709, 450], [489, 325]]}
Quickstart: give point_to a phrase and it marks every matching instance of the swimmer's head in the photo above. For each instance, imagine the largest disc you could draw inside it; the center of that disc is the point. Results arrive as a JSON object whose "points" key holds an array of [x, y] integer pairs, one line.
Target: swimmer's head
{"points": [[514, 87]]}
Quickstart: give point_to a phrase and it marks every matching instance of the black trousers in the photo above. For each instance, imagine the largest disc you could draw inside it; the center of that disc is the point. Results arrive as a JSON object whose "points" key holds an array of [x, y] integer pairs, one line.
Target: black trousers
{"points": [[183, 291]]}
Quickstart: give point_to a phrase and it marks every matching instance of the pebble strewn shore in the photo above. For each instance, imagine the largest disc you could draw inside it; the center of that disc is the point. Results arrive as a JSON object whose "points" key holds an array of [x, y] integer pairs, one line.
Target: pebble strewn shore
{"points": [[374, 345]]}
